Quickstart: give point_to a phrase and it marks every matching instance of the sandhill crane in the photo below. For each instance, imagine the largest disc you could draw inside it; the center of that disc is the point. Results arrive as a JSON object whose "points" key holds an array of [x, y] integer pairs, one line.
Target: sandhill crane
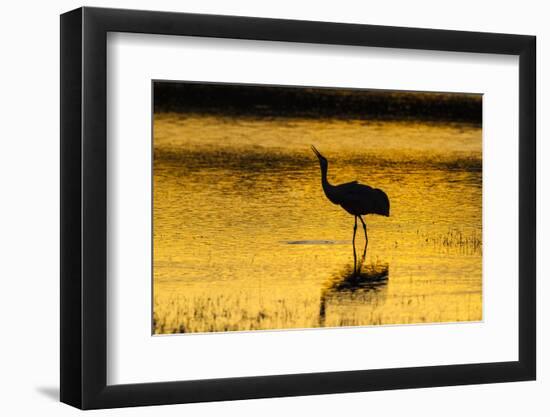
{"points": [[357, 199]]}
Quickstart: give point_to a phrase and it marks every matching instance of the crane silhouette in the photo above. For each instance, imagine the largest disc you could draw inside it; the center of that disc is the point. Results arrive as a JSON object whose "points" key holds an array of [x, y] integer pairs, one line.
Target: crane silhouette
{"points": [[357, 199]]}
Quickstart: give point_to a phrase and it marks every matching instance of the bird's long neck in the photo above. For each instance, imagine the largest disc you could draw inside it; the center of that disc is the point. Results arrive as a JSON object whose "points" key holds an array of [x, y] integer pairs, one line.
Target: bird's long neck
{"points": [[324, 180], [327, 187]]}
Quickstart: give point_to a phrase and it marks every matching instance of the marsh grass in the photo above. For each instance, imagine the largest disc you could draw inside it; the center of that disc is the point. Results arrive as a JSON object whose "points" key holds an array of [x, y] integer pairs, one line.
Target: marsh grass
{"points": [[366, 298], [466, 242], [220, 313], [215, 311]]}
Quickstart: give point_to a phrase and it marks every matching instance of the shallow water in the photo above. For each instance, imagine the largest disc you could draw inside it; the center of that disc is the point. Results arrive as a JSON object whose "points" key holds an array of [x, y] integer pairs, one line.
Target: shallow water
{"points": [[245, 239]]}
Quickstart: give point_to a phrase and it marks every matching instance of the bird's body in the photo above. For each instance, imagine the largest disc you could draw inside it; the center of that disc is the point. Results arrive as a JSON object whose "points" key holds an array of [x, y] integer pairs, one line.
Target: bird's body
{"points": [[357, 199]]}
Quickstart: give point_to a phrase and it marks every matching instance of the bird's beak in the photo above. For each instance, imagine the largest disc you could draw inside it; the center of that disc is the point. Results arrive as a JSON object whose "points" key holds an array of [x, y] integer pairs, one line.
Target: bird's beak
{"points": [[316, 152]]}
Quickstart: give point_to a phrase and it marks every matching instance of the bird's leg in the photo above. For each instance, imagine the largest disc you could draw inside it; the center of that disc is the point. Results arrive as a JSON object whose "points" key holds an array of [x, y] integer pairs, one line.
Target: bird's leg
{"points": [[353, 243], [366, 237], [354, 230], [364, 228]]}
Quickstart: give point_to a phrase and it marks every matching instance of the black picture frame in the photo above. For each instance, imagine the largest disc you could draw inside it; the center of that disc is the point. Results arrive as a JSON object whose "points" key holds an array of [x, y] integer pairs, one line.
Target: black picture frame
{"points": [[84, 207]]}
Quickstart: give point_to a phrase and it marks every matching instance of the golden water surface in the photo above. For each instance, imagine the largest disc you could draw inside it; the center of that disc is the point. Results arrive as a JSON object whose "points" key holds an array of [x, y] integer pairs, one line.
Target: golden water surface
{"points": [[245, 239]]}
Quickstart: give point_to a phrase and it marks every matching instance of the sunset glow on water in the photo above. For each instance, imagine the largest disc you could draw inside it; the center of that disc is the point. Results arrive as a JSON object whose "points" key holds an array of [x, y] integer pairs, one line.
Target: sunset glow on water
{"points": [[245, 239]]}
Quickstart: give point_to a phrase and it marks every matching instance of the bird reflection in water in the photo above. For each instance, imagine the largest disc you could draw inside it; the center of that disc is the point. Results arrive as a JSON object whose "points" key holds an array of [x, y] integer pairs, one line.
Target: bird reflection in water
{"points": [[353, 288]]}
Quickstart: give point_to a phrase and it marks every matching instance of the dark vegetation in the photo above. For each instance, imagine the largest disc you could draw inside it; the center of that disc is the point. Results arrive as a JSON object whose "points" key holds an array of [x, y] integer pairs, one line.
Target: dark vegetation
{"points": [[274, 101]]}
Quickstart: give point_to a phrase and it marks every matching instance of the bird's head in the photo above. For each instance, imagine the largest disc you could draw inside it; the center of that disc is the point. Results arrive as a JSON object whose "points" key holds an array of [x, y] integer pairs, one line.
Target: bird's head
{"points": [[322, 160]]}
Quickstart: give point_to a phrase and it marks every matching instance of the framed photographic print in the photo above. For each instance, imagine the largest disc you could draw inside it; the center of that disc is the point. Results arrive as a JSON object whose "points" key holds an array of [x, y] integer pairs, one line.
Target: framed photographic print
{"points": [[258, 207]]}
